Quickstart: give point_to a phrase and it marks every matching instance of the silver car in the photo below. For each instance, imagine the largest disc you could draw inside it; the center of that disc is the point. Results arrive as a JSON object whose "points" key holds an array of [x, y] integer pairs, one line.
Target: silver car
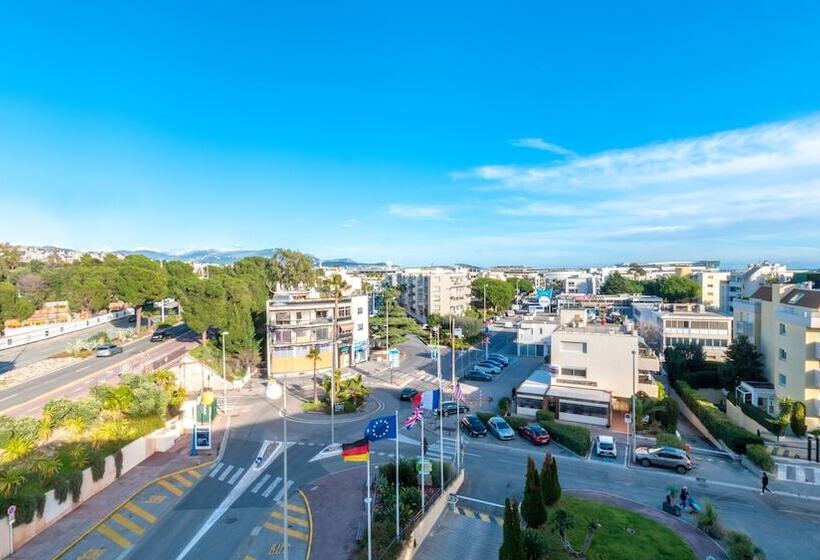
{"points": [[669, 457], [483, 369], [107, 350], [499, 428]]}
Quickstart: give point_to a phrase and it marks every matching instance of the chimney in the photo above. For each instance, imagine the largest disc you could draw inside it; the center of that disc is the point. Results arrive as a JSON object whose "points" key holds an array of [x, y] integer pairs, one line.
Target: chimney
{"points": [[778, 290]]}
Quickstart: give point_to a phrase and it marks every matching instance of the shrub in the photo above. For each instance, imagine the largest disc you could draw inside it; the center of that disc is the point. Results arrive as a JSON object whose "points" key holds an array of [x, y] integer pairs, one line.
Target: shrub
{"points": [[75, 485], [118, 462], [550, 484], [449, 472], [669, 440], [760, 456], [670, 414], [758, 415], [516, 422], [28, 505], [741, 547], [11, 480], [61, 488], [798, 419], [97, 467], [504, 406], [716, 421], [349, 406], [311, 406], [532, 506], [544, 416], [709, 522], [575, 438], [536, 544], [705, 379]]}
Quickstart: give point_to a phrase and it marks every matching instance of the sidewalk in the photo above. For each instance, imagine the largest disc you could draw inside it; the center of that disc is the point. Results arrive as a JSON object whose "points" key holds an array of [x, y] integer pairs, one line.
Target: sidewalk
{"points": [[82, 520], [701, 544], [337, 503]]}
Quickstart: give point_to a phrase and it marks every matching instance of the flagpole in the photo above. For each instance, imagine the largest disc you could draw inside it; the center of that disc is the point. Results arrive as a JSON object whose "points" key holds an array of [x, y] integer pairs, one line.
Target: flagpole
{"points": [[421, 418], [398, 524], [440, 411], [368, 502], [285, 458]]}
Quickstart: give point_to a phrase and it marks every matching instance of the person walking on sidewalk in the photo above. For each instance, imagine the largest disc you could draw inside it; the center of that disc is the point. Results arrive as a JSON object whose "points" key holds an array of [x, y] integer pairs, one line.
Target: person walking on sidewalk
{"points": [[764, 484]]}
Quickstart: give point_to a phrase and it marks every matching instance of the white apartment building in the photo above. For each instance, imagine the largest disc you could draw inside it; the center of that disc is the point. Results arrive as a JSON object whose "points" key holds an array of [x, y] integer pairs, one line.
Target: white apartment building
{"points": [[299, 321], [532, 334], [592, 375], [687, 323], [424, 291], [583, 283], [712, 288], [743, 283]]}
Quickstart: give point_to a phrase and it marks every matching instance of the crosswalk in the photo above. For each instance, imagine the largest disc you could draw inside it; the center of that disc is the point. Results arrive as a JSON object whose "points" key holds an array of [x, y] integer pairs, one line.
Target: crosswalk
{"points": [[434, 450], [798, 473], [266, 486]]}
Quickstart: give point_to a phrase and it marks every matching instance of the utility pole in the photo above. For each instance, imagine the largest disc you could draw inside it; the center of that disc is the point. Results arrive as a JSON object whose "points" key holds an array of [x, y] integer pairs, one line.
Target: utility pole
{"points": [[224, 374], [634, 409], [485, 304], [387, 335]]}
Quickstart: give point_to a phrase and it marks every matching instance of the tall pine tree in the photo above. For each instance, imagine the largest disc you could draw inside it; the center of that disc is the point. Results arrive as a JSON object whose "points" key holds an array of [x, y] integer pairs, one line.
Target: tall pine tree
{"points": [[532, 507], [550, 485], [512, 545]]}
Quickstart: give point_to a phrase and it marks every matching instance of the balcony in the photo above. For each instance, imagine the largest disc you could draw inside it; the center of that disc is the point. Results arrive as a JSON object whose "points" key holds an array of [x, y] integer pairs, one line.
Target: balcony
{"points": [[816, 350], [316, 321], [795, 316], [813, 379]]}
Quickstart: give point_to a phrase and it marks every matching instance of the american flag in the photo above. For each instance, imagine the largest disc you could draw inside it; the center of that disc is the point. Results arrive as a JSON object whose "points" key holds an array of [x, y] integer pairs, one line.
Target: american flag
{"points": [[553, 369], [414, 417], [458, 394], [486, 340]]}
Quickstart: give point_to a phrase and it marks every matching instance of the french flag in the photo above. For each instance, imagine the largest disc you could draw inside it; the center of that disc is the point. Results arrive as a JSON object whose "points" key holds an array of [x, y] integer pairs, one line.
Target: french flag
{"points": [[430, 400]]}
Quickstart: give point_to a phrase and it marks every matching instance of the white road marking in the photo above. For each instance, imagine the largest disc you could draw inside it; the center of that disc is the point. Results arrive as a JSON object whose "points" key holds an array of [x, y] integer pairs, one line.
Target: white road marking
{"points": [[281, 493], [82, 368], [260, 484], [225, 473], [236, 476], [216, 469], [270, 488], [9, 397]]}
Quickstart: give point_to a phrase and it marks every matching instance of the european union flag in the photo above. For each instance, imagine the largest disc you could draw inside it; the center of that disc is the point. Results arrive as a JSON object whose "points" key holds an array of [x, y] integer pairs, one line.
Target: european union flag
{"points": [[383, 427]]}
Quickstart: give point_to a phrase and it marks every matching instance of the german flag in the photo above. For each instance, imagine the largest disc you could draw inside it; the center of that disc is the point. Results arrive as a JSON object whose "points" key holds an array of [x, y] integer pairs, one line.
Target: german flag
{"points": [[356, 451]]}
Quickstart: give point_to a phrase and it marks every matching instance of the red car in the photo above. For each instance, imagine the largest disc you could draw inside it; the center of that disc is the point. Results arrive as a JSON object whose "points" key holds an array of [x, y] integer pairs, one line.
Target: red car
{"points": [[535, 433]]}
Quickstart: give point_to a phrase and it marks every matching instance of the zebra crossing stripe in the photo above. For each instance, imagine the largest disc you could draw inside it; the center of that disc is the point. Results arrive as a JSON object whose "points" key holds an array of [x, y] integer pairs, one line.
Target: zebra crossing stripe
{"points": [[281, 492], [236, 475], [260, 484], [270, 488], [225, 473], [216, 469]]}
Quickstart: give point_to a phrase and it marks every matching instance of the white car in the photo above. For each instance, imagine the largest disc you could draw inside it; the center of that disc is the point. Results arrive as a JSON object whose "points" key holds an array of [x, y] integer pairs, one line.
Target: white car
{"points": [[605, 447]]}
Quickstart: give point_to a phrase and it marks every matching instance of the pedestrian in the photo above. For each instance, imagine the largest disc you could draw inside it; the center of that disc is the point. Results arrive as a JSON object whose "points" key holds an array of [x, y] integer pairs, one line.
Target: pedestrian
{"points": [[764, 483], [684, 497], [513, 393], [424, 443]]}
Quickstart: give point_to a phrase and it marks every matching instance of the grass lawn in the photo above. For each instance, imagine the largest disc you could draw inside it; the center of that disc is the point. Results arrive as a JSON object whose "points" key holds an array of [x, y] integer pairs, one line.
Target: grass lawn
{"points": [[650, 540]]}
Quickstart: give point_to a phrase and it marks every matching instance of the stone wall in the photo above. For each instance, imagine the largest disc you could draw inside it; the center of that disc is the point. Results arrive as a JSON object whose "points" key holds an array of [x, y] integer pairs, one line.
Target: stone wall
{"points": [[736, 415], [429, 520]]}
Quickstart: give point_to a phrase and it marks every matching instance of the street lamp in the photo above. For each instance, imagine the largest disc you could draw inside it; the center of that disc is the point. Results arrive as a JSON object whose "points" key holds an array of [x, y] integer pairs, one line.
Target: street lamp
{"points": [[223, 334], [634, 409]]}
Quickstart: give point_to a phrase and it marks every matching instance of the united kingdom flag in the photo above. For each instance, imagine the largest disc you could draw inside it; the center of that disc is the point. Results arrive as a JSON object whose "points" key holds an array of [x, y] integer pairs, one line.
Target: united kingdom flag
{"points": [[415, 416]]}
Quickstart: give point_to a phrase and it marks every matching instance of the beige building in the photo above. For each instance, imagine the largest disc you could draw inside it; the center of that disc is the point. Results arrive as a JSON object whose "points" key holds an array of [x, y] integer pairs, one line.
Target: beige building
{"points": [[783, 321], [712, 288], [299, 321], [685, 324], [443, 291]]}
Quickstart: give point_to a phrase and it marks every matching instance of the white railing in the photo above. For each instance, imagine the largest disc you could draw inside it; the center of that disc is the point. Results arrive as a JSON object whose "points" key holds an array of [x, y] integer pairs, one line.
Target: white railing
{"points": [[14, 337]]}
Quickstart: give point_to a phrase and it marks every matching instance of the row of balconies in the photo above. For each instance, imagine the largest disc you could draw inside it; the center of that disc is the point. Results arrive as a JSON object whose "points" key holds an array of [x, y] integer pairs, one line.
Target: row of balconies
{"points": [[805, 318]]}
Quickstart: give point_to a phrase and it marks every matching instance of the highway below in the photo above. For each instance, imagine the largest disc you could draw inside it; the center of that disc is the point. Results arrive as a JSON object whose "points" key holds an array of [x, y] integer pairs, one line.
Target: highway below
{"points": [[74, 381]]}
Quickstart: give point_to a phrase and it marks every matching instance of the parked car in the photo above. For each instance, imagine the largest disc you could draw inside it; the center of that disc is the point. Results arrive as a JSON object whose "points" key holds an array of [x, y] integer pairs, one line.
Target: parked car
{"points": [[489, 366], [451, 407], [407, 393], [501, 358], [475, 375], [484, 369], [159, 336], [535, 433], [107, 350], [495, 361], [669, 457], [605, 447], [499, 428], [473, 426]]}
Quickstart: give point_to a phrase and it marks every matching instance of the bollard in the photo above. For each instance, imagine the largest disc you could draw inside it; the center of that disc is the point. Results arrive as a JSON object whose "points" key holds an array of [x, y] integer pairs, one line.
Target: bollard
{"points": [[808, 449]]}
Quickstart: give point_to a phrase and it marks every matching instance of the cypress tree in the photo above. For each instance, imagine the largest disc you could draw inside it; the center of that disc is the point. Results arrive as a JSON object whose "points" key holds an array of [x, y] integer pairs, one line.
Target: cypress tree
{"points": [[532, 507], [512, 545], [550, 485]]}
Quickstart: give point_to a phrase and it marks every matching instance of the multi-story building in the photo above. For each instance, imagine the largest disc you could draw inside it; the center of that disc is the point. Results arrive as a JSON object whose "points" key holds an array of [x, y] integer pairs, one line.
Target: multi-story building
{"points": [[711, 284], [593, 373], [532, 334], [678, 324], [783, 321], [582, 283], [425, 291], [743, 283], [299, 321]]}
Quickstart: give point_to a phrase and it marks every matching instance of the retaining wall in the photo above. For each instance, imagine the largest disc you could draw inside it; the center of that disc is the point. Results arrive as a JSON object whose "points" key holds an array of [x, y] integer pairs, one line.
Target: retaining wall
{"points": [[429, 520], [25, 335]]}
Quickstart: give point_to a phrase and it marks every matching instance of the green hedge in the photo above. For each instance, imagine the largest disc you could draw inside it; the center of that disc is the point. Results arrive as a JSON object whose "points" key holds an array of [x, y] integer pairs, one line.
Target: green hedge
{"points": [[544, 415], [760, 456], [575, 438], [718, 424], [669, 440], [758, 415], [704, 379]]}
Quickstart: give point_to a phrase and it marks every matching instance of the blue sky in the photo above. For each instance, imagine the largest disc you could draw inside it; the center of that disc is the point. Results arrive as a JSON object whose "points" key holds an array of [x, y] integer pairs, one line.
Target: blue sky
{"points": [[423, 133]]}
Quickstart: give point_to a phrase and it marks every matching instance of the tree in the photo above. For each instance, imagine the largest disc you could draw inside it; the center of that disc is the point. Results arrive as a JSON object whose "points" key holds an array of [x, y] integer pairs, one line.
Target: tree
{"points": [[523, 285], [12, 306], [500, 294], [290, 270], [693, 355], [138, 281], [399, 323], [532, 506], [335, 287], [550, 485], [617, 283], [562, 523], [741, 547], [673, 288], [709, 521], [743, 361], [512, 546], [315, 355], [636, 269], [798, 418], [536, 545], [11, 480], [10, 258]]}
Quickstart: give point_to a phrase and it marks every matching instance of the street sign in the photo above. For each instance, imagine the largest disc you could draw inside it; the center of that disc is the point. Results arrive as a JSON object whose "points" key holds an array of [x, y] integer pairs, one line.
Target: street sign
{"points": [[458, 332], [424, 467], [628, 418], [393, 358], [12, 509], [202, 437]]}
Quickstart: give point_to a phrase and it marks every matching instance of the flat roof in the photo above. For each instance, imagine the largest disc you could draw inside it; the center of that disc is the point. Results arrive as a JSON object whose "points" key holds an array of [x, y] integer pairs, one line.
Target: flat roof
{"points": [[540, 383]]}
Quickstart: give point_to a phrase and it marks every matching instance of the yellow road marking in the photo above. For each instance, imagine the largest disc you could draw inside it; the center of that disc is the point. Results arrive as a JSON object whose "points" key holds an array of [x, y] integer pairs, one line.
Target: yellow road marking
{"points": [[136, 510], [127, 523], [92, 554], [248, 557], [294, 507], [196, 474], [469, 513], [114, 536], [292, 532], [170, 487], [182, 480], [484, 517], [291, 519], [156, 498], [310, 520]]}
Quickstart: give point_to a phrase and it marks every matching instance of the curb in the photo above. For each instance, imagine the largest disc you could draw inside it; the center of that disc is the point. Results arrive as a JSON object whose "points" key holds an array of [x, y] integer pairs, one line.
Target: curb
{"points": [[310, 522], [128, 499]]}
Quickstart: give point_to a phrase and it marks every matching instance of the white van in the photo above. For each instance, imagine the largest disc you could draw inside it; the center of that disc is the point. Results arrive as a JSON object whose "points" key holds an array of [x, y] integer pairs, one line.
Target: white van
{"points": [[605, 447]]}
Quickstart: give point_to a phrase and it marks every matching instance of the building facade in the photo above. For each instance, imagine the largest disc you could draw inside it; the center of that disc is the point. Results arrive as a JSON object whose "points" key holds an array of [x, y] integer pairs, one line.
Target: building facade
{"points": [[300, 321], [783, 321], [425, 291], [743, 283], [712, 288], [685, 324]]}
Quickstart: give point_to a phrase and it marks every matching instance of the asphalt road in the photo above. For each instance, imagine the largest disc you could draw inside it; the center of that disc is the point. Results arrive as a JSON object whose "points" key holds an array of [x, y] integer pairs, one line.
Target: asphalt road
{"points": [[22, 356], [27, 398]]}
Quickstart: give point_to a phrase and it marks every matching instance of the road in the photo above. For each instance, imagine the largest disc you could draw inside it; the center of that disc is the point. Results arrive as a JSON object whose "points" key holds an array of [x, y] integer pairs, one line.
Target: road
{"points": [[74, 380]]}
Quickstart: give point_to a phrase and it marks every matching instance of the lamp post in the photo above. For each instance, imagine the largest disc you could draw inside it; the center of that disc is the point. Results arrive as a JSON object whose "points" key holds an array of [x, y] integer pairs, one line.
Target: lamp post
{"points": [[223, 334], [387, 335], [634, 409], [285, 458]]}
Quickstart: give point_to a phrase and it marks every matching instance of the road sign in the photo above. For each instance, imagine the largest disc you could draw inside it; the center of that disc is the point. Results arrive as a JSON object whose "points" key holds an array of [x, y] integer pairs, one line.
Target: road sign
{"points": [[458, 332], [628, 418], [125, 368], [12, 509], [202, 437], [425, 467]]}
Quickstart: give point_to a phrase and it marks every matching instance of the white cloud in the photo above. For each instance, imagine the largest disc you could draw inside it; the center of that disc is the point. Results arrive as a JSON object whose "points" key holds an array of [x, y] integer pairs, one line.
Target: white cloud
{"points": [[350, 223], [417, 212], [541, 144]]}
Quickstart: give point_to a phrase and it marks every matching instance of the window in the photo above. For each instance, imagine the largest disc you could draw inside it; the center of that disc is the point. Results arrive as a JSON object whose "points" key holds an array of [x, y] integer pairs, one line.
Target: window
{"points": [[574, 372], [360, 327], [321, 334], [579, 347], [321, 314], [782, 328], [781, 380], [360, 311], [282, 318], [527, 402], [283, 337], [344, 312], [781, 353], [581, 409]]}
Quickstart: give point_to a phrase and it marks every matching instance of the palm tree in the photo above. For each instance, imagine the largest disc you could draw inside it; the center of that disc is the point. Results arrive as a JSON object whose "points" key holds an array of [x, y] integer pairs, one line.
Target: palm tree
{"points": [[10, 481], [335, 287], [562, 522], [315, 355]]}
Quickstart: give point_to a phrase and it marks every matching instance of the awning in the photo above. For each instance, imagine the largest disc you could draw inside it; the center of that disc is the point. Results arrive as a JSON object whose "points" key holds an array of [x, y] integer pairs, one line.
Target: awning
{"points": [[594, 395]]}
